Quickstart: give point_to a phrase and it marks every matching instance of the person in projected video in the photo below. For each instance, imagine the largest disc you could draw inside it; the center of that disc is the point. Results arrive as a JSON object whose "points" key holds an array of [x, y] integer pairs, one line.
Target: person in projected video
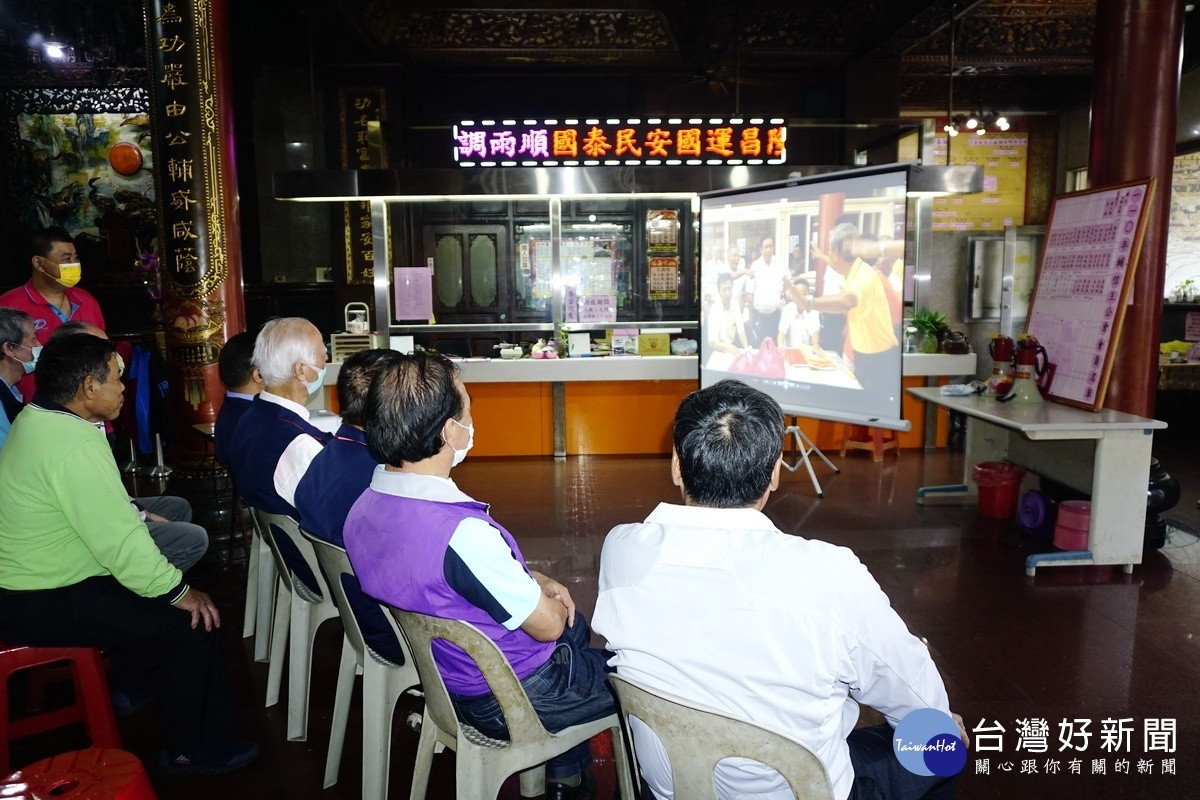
{"points": [[766, 293], [725, 325], [864, 303]]}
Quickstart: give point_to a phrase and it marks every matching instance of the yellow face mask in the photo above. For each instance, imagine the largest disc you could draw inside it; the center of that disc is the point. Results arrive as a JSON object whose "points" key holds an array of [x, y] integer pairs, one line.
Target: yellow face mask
{"points": [[69, 273]]}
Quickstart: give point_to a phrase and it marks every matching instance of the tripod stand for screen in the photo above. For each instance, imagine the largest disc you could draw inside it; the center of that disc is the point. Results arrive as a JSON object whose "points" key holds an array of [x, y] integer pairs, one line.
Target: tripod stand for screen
{"points": [[806, 448]]}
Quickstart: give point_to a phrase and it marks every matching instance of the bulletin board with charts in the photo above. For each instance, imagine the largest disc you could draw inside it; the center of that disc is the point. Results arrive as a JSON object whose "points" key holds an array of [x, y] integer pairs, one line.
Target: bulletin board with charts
{"points": [[1088, 261]]}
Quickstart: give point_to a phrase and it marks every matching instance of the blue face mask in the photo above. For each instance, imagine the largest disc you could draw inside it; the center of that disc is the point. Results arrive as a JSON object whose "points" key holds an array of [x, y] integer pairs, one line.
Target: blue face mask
{"points": [[315, 385]]}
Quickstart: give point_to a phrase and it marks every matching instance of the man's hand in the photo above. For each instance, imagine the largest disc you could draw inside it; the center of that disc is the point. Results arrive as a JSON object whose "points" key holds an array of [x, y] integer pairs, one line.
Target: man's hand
{"points": [[199, 604], [152, 517], [556, 591]]}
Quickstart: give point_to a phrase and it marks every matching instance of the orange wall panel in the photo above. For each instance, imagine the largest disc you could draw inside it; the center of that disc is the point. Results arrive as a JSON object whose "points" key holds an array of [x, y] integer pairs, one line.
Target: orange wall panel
{"points": [[512, 419], [622, 417]]}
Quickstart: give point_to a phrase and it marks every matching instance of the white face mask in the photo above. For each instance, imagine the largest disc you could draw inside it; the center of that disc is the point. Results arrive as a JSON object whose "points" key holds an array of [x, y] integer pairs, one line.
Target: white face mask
{"points": [[315, 385], [459, 455], [31, 365]]}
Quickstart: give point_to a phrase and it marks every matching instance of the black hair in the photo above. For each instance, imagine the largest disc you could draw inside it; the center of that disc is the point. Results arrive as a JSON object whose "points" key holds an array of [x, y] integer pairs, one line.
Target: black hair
{"points": [[234, 362], [66, 362], [354, 382], [728, 438], [408, 405], [724, 277], [42, 241]]}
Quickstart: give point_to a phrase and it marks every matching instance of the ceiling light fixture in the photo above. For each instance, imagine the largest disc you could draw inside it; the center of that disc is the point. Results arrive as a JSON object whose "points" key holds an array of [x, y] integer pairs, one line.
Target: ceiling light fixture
{"points": [[953, 123]]}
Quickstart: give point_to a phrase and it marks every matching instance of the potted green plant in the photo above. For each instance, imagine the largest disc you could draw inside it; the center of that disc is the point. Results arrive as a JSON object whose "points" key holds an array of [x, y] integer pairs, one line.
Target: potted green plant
{"points": [[1185, 291], [931, 325]]}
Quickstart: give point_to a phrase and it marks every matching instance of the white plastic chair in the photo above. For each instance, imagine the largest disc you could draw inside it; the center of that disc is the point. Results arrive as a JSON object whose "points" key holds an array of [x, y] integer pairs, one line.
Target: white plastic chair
{"points": [[483, 763], [383, 682], [299, 612], [697, 738], [261, 575]]}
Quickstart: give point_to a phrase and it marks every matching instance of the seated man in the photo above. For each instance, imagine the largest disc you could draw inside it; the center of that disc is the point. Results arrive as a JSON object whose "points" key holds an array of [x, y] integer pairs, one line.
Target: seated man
{"points": [[338, 475], [274, 443], [710, 602], [77, 326], [19, 350], [420, 544], [169, 518], [242, 383], [79, 569]]}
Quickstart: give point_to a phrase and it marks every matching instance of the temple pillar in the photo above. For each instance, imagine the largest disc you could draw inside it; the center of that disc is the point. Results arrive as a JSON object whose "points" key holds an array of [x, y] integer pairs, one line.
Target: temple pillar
{"points": [[1135, 97], [199, 245]]}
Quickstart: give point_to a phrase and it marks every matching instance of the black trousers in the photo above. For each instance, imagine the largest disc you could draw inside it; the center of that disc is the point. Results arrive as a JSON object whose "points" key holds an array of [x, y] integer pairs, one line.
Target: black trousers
{"points": [[148, 639]]}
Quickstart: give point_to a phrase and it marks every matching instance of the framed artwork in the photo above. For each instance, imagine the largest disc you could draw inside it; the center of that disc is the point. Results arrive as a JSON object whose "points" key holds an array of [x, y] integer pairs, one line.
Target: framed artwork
{"points": [[82, 171], [82, 159]]}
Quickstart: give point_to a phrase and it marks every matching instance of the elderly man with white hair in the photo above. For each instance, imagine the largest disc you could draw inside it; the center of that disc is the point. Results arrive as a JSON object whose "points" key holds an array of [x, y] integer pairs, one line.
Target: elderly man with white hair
{"points": [[274, 442]]}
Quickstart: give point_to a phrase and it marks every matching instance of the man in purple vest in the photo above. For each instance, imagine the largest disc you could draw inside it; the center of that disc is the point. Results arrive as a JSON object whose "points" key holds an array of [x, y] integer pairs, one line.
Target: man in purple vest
{"points": [[420, 544]]}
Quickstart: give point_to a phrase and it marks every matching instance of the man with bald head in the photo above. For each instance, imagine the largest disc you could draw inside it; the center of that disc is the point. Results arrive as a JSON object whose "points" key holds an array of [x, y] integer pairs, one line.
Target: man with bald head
{"points": [[78, 326], [274, 442]]}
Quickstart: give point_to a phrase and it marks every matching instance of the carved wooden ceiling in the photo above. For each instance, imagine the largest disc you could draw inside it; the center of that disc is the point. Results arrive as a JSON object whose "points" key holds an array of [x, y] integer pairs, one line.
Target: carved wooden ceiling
{"points": [[1021, 54]]}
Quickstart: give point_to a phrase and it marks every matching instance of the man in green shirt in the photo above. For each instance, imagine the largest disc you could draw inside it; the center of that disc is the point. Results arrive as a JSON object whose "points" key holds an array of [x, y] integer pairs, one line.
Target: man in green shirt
{"points": [[78, 567]]}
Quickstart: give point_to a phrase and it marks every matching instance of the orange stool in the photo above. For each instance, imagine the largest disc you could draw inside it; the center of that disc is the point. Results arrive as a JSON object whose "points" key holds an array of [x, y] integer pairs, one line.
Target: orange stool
{"points": [[877, 440], [92, 705], [93, 774]]}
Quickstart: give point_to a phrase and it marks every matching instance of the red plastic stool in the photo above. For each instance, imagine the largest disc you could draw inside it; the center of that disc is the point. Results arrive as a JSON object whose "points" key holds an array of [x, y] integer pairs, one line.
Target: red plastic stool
{"points": [[93, 774], [93, 704], [877, 440]]}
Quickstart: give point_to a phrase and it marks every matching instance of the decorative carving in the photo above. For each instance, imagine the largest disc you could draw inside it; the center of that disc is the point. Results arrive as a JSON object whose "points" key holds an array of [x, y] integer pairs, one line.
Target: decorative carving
{"points": [[516, 30], [78, 99]]}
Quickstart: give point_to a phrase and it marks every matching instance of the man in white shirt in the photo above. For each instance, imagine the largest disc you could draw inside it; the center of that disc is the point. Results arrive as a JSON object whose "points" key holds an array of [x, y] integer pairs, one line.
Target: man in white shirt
{"points": [[766, 291], [798, 325], [710, 602], [723, 326]]}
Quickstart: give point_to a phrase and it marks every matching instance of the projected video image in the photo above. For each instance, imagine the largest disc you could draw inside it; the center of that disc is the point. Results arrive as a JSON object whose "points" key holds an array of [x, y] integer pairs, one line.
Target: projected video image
{"points": [[801, 292]]}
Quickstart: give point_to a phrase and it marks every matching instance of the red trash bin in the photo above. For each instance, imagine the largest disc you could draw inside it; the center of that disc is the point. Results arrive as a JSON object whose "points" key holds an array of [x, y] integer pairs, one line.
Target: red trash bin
{"points": [[999, 487]]}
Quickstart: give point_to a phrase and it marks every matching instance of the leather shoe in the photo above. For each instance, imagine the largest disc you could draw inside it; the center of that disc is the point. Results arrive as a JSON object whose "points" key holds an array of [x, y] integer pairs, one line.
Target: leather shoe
{"points": [[584, 791]]}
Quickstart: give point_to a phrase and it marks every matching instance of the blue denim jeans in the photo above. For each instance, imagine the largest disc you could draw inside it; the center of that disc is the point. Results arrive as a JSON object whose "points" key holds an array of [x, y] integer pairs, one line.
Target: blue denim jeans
{"points": [[569, 689], [878, 774]]}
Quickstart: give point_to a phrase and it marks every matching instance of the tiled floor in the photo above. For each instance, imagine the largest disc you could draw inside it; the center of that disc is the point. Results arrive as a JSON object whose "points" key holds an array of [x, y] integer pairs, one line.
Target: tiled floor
{"points": [[1087, 643]]}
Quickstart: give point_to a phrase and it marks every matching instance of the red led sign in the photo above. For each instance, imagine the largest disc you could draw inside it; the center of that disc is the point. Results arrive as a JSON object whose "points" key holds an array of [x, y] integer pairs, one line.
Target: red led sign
{"points": [[594, 142]]}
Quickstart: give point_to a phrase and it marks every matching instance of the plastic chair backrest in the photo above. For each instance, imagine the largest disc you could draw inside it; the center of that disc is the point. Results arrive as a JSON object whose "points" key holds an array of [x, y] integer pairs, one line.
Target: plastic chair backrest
{"points": [[697, 738], [335, 563], [310, 587], [524, 727]]}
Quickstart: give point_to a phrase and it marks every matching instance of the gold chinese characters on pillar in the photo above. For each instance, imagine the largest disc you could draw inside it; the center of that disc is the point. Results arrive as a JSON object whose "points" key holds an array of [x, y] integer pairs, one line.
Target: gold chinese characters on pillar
{"points": [[361, 113], [198, 242]]}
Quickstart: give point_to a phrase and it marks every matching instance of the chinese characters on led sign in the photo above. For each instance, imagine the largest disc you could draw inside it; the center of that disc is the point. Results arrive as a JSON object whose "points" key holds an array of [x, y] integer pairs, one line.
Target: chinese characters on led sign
{"points": [[570, 142]]}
